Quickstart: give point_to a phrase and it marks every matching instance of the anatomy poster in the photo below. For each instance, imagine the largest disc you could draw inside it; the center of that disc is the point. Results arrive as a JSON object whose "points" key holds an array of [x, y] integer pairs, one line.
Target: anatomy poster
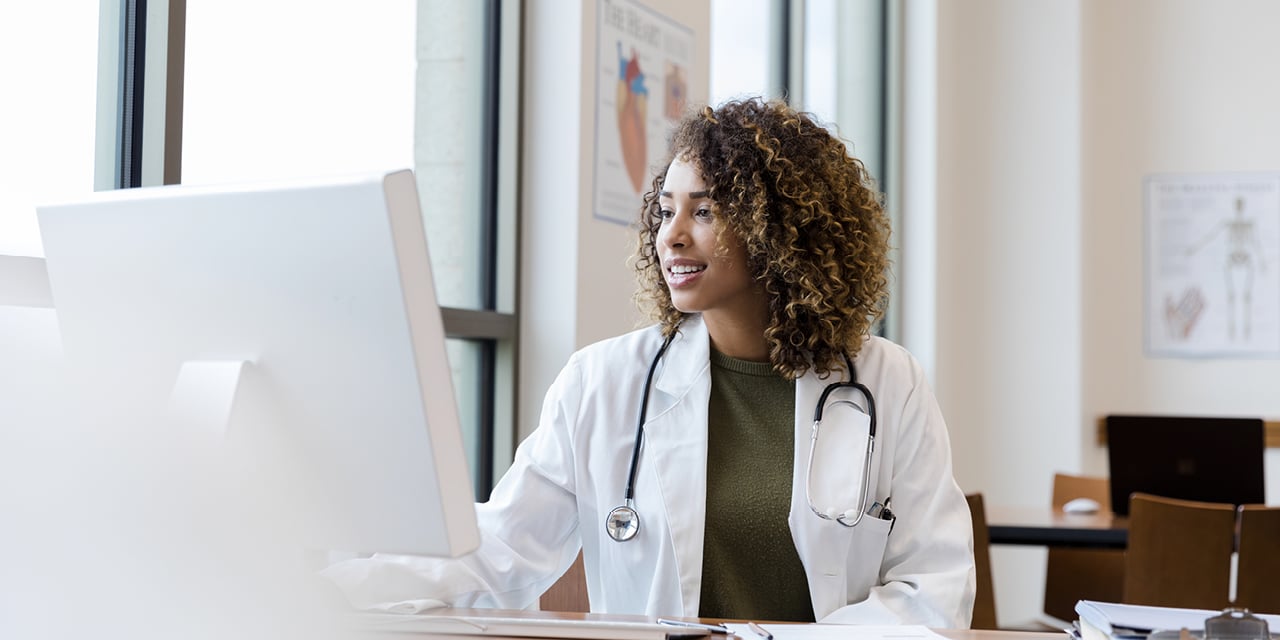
{"points": [[1213, 265], [642, 87]]}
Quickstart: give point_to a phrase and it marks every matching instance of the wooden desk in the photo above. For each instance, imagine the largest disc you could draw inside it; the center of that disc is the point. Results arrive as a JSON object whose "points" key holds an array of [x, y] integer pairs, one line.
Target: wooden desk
{"points": [[974, 634], [1050, 528], [953, 634]]}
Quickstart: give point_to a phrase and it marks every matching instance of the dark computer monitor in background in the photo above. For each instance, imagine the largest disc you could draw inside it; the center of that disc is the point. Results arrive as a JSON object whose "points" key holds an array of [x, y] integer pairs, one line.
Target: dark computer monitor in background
{"points": [[1209, 459]]}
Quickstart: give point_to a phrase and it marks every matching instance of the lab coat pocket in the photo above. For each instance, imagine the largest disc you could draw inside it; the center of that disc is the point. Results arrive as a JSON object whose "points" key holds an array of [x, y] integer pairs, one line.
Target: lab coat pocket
{"points": [[866, 555]]}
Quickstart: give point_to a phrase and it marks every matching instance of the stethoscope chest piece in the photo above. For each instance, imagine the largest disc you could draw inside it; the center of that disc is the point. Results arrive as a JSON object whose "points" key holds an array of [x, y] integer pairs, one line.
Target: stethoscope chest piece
{"points": [[623, 523]]}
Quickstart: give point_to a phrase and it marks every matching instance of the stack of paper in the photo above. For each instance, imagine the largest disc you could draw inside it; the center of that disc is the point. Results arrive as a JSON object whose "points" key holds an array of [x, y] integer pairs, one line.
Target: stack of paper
{"points": [[1104, 620]]}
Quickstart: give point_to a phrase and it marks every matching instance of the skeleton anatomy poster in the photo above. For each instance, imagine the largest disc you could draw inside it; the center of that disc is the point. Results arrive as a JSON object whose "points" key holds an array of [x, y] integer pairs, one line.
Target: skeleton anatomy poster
{"points": [[642, 88], [1213, 265]]}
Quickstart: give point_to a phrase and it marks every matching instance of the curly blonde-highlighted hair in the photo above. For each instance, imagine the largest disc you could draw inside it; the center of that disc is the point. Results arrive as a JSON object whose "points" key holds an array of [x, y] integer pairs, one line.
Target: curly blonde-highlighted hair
{"points": [[812, 220]]}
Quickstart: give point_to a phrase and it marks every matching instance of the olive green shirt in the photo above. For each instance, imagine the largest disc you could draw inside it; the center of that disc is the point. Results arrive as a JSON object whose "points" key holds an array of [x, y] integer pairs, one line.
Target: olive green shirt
{"points": [[750, 569]]}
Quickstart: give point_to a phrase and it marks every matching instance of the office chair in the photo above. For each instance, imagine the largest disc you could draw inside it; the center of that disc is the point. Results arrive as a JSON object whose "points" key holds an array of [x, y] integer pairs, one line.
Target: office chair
{"points": [[1072, 574], [984, 603], [569, 593], [1259, 559], [1179, 552]]}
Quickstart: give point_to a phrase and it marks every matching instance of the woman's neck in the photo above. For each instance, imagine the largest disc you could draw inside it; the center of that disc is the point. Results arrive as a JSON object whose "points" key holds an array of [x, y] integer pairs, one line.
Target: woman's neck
{"points": [[737, 337]]}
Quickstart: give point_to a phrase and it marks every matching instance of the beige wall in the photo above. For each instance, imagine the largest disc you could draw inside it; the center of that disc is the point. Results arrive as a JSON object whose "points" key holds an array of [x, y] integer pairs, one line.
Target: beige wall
{"points": [[1177, 86], [1008, 309], [1049, 115]]}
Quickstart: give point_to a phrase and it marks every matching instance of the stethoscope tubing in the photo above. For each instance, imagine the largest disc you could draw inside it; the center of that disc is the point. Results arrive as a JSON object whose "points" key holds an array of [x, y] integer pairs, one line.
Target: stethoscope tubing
{"points": [[627, 513], [863, 488], [865, 484], [629, 495]]}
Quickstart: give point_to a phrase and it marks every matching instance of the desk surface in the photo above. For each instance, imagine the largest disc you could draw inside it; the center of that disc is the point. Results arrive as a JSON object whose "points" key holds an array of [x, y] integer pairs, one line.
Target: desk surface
{"points": [[1048, 527], [953, 634]]}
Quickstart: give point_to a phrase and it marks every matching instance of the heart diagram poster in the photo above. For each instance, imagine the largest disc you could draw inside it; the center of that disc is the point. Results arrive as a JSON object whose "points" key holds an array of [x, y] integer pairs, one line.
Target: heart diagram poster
{"points": [[1213, 265], [642, 88]]}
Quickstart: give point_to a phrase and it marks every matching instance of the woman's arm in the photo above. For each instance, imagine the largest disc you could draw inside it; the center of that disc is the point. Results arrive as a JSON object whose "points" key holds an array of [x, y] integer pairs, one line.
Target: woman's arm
{"points": [[528, 530]]}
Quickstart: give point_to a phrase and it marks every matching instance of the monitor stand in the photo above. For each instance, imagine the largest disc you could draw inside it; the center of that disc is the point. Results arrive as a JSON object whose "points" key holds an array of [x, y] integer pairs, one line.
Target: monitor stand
{"points": [[204, 395]]}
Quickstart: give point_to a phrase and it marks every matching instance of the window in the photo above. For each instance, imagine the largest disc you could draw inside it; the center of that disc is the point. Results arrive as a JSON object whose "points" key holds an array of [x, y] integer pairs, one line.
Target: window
{"points": [[748, 49], [48, 133], [832, 58], [824, 56], [277, 89]]}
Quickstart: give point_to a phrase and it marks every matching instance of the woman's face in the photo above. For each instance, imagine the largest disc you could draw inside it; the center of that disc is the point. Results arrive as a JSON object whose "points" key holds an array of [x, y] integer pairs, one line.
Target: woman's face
{"points": [[700, 277]]}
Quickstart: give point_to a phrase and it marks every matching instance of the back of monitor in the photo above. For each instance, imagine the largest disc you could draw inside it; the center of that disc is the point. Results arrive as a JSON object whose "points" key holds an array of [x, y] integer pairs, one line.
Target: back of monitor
{"points": [[287, 337]]}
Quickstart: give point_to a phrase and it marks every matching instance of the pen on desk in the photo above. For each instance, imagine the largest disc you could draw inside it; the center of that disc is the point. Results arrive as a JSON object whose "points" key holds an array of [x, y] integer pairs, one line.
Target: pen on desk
{"points": [[713, 628], [759, 630]]}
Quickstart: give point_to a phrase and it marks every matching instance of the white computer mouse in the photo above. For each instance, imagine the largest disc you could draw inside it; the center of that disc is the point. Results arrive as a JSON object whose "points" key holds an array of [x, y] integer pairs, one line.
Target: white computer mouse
{"points": [[1081, 505]]}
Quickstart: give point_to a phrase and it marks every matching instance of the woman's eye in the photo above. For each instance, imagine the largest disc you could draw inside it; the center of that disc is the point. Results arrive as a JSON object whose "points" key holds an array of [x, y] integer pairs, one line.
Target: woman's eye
{"points": [[666, 213], [704, 213]]}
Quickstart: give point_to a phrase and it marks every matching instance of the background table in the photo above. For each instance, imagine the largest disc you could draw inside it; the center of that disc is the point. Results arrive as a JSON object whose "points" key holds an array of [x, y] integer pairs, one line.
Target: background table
{"points": [[1049, 528]]}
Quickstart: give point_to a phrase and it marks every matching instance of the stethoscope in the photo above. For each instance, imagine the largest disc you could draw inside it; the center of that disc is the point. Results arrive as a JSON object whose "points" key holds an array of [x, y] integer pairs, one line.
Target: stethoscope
{"points": [[623, 523]]}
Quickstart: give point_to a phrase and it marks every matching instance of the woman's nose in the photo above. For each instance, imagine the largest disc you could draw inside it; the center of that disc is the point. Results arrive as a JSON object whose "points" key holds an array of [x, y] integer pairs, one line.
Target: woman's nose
{"points": [[675, 231]]}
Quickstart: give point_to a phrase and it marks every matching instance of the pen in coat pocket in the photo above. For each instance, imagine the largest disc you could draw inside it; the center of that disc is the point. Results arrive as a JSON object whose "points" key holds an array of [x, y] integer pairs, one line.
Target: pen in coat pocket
{"points": [[759, 630]]}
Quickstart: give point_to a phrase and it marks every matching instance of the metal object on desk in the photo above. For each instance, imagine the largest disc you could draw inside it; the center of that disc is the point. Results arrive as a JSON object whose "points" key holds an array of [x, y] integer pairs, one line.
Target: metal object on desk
{"points": [[1236, 624], [1231, 624]]}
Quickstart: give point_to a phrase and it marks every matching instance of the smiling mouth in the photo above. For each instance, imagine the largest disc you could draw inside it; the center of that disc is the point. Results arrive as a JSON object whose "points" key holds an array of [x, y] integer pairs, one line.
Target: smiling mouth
{"points": [[686, 269]]}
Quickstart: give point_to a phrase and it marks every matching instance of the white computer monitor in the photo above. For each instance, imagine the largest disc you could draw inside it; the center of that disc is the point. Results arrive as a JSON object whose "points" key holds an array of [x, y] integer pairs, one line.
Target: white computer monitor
{"points": [[286, 335]]}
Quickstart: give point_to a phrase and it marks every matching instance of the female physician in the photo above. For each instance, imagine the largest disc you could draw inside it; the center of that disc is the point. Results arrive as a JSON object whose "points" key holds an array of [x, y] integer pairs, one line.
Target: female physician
{"points": [[686, 460]]}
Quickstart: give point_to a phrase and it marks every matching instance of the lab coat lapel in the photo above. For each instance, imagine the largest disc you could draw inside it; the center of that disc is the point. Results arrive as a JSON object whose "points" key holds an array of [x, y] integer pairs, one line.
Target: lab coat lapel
{"points": [[676, 443]]}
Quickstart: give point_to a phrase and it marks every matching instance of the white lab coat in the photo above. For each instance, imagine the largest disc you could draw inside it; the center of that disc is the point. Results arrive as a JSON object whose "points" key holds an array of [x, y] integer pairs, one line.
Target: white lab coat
{"points": [[572, 471]]}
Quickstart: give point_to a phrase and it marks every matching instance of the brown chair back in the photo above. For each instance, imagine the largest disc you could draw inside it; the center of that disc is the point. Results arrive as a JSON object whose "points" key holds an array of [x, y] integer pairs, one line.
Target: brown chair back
{"points": [[569, 593], [1257, 588], [984, 603], [1179, 552], [1067, 487], [1071, 574]]}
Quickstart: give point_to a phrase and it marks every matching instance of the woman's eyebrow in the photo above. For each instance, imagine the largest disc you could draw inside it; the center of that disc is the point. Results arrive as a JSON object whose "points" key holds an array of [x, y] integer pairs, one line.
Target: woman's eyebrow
{"points": [[695, 195]]}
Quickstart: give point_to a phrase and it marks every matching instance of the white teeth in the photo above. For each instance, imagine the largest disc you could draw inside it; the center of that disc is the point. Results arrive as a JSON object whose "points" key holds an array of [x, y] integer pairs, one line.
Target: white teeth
{"points": [[685, 268]]}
